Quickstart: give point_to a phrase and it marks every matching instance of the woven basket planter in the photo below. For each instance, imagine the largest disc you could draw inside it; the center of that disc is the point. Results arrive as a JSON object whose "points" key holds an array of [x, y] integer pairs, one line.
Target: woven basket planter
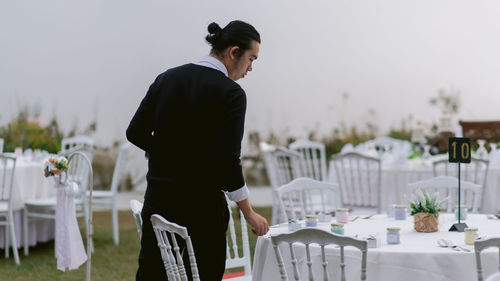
{"points": [[425, 222]]}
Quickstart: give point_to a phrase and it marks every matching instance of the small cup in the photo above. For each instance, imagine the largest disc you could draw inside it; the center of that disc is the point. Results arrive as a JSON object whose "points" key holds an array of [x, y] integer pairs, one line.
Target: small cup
{"points": [[311, 221], [470, 235], [390, 210], [400, 212], [393, 235], [324, 217], [337, 228], [342, 215], [18, 151]]}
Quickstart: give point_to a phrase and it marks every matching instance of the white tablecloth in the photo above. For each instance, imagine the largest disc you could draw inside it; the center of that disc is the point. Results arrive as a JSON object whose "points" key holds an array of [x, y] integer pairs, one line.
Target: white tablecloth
{"points": [[29, 183], [395, 180], [417, 258]]}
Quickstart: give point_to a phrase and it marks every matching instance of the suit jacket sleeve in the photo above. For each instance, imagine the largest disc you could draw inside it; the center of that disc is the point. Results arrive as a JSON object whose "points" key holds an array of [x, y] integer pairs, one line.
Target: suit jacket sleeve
{"points": [[140, 129], [233, 128]]}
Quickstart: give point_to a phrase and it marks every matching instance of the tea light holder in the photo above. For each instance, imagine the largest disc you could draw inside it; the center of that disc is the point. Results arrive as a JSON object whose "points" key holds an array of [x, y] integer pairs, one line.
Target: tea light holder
{"points": [[311, 221], [337, 228], [342, 215], [400, 212], [463, 212], [470, 235], [294, 225], [393, 235]]}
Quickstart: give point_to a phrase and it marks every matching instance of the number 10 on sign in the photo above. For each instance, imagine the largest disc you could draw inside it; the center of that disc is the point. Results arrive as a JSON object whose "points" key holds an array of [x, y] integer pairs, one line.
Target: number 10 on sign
{"points": [[459, 150]]}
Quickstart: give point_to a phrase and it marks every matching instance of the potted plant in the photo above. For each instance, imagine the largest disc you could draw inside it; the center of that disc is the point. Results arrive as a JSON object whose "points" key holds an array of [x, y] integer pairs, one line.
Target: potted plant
{"points": [[425, 211]]}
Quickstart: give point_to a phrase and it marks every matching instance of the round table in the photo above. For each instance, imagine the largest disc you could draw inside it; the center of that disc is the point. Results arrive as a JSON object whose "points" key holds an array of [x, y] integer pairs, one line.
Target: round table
{"points": [[417, 258], [30, 183]]}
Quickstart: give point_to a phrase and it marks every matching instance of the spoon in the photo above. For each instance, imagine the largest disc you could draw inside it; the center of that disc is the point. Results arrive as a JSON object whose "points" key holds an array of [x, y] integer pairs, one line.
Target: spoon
{"points": [[451, 244]]}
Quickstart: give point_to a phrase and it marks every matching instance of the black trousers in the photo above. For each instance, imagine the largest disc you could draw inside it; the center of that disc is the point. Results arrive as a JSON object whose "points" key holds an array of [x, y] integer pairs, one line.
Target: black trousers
{"points": [[206, 218]]}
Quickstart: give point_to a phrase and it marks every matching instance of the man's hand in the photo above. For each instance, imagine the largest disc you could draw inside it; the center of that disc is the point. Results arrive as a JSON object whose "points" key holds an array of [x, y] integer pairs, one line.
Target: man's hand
{"points": [[258, 223]]}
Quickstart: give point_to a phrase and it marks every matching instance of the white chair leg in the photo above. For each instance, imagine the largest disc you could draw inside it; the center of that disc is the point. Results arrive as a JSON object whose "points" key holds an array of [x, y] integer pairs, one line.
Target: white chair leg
{"points": [[114, 218], [6, 241], [13, 238], [25, 232]]}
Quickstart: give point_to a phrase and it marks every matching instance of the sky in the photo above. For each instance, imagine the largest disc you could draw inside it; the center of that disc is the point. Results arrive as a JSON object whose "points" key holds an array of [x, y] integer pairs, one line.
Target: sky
{"points": [[94, 60]]}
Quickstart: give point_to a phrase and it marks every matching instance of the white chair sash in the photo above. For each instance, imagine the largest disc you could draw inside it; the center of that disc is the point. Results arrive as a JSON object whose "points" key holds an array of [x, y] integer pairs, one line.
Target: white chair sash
{"points": [[70, 252]]}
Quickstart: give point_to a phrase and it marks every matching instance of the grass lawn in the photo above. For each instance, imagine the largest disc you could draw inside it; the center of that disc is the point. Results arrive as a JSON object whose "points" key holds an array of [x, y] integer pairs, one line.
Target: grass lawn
{"points": [[109, 262]]}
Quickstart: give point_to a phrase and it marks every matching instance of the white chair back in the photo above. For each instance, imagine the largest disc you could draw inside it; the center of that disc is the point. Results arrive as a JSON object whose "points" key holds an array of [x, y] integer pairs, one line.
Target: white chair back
{"points": [[77, 143], [136, 208], [476, 172], [7, 169], [171, 255], [121, 161], [310, 236], [233, 259], [479, 246], [359, 178], [282, 166], [305, 196], [80, 171], [1, 145], [448, 186], [313, 158]]}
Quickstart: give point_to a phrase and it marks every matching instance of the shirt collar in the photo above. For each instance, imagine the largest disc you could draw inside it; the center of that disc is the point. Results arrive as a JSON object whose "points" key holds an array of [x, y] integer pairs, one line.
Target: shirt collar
{"points": [[214, 63]]}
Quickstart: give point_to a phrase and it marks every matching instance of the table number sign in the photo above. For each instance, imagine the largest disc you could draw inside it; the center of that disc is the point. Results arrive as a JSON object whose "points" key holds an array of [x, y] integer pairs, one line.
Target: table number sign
{"points": [[459, 151]]}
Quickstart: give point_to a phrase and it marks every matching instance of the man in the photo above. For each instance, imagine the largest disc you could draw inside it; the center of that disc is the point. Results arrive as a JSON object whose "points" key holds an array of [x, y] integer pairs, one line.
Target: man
{"points": [[190, 123]]}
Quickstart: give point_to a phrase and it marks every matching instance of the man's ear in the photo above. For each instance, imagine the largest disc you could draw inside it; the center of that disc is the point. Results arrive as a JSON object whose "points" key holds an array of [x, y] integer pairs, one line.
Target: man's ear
{"points": [[234, 52]]}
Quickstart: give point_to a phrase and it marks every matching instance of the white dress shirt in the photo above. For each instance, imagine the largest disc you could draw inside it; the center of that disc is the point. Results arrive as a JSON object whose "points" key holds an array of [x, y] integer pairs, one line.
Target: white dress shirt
{"points": [[241, 193]]}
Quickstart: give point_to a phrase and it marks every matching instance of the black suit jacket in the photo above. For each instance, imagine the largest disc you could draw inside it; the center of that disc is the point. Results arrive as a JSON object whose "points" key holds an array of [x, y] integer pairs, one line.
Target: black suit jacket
{"points": [[191, 124]]}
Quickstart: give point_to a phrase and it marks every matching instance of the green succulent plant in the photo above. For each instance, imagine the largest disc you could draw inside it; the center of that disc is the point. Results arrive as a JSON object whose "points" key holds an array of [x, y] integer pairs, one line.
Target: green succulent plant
{"points": [[426, 203]]}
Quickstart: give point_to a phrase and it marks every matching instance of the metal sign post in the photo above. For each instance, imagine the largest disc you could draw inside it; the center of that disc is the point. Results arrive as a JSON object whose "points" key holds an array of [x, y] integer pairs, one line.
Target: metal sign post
{"points": [[459, 151]]}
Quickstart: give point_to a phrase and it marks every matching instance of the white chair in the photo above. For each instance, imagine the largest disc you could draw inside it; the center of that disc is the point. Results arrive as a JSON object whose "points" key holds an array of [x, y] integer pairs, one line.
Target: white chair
{"points": [[107, 198], [323, 238], [7, 170], [1, 145], [80, 172], [359, 178], [282, 166], [305, 196], [476, 172], [77, 143], [479, 246], [136, 208], [171, 255], [313, 156], [233, 259], [448, 186]]}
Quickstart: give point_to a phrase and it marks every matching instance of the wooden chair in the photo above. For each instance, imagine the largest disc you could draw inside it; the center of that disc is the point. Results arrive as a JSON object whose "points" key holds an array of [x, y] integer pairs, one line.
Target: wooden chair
{"points": [[305, 196], [448, 186], [476, 172], [7, 172], [233, 259], [136, 208], [359, 178], [107, 198], [282, 166], [313, 158], [171, 255], [480, 245], [80, 172], [310, 236]]}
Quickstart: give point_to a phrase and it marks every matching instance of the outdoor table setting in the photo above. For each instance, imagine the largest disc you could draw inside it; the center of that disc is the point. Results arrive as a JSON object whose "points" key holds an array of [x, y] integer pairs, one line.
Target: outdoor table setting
{"points": [[30, 183], [396, 251]]}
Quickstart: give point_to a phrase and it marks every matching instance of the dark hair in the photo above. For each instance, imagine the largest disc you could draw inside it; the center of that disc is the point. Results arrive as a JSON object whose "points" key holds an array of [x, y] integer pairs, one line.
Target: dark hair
{"points": [[236, 33]]}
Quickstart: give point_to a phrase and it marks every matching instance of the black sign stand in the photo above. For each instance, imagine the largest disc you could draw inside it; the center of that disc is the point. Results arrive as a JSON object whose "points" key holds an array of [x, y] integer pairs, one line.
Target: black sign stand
{"points": [[453, 156]]}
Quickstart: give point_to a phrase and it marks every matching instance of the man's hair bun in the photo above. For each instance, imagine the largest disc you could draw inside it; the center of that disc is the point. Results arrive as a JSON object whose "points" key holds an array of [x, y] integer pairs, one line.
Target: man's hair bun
{"points": [[214, 32]]}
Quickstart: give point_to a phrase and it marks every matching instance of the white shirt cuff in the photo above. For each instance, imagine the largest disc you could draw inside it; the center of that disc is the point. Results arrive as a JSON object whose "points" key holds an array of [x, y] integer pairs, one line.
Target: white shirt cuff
{"points": [[239, 194]]}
